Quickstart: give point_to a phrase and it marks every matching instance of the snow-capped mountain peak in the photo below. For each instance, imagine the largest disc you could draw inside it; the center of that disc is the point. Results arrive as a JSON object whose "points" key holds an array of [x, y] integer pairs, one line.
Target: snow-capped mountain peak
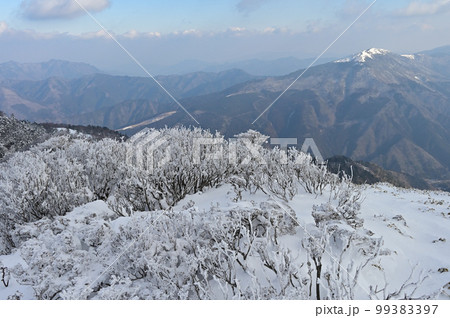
{"points": [[364, 55], [369, 54]]}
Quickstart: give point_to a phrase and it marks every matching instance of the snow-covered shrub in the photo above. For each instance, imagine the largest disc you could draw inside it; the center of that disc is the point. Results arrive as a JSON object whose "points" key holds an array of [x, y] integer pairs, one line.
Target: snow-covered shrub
{"points": [[161, 264], [41, 183], [191, 254], [349, 205], [24, 186], [239, 185], [6, 224], [63, 172], [351, 254], [103, 163], [336, 242], [52, 269], [313, 177], [62, 253], [174, 173], [202, 255], [288, 280], [337, 255], [136, 191], [71, 169], [183, 175], [246, 155], [408, 290], [54, 177], [347, 209], [273, 170], [281, 222], [100, 160], [280, 177]]}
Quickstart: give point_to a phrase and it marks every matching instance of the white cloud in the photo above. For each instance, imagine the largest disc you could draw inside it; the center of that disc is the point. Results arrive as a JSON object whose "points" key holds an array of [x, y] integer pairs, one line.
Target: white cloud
{"points": [[153, 34], [418, 8], [237, 29], [101, 34], [134, 34], [3, 27], [192, 32], [58, 9]]}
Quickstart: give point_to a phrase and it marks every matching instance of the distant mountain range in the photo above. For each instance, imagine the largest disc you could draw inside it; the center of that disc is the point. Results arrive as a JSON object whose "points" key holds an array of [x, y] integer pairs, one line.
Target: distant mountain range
{"points": [[258, 67], [40, 71], [375, 106], [106, 100], [369, 173]]}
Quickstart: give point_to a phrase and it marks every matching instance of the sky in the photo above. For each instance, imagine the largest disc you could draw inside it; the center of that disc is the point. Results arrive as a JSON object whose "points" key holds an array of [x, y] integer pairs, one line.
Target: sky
{"points": [[166, 32]]}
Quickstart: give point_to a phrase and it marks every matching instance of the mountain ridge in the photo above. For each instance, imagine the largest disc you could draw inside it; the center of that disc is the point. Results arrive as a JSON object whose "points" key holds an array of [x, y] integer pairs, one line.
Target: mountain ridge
{"points": [[39, 71], [83, 100]]}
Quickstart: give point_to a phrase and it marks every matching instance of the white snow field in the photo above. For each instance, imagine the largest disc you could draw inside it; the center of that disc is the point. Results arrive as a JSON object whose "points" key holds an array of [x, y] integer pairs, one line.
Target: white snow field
{"points": [[70, 252]]}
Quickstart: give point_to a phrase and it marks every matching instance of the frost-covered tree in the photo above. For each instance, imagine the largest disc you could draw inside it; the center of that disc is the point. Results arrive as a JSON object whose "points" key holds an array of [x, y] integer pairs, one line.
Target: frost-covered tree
{"points": [[335, 242], [43, 182], [174, 173]]}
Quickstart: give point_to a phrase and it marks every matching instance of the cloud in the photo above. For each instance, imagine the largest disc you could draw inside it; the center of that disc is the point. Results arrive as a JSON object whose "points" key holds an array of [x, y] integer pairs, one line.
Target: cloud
{"points": [[237, 29], [420, 8], [248, 6], [133, 34], [3, 27], [60, 9], [93, 35], [192, 32]]}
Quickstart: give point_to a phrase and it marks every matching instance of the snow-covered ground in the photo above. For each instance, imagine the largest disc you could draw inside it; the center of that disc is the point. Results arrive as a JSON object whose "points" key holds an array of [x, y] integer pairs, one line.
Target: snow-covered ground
{"points": [[413, 224]]}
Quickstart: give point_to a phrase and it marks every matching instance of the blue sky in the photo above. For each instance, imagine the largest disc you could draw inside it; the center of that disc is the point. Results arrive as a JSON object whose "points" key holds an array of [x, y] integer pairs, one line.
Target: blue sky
{"points": [[167, 16], [171, 31]]}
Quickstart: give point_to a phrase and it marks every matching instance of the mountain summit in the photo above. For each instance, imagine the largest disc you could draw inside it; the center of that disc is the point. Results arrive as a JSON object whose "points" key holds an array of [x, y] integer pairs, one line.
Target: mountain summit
{"points": [[364, 55]]}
